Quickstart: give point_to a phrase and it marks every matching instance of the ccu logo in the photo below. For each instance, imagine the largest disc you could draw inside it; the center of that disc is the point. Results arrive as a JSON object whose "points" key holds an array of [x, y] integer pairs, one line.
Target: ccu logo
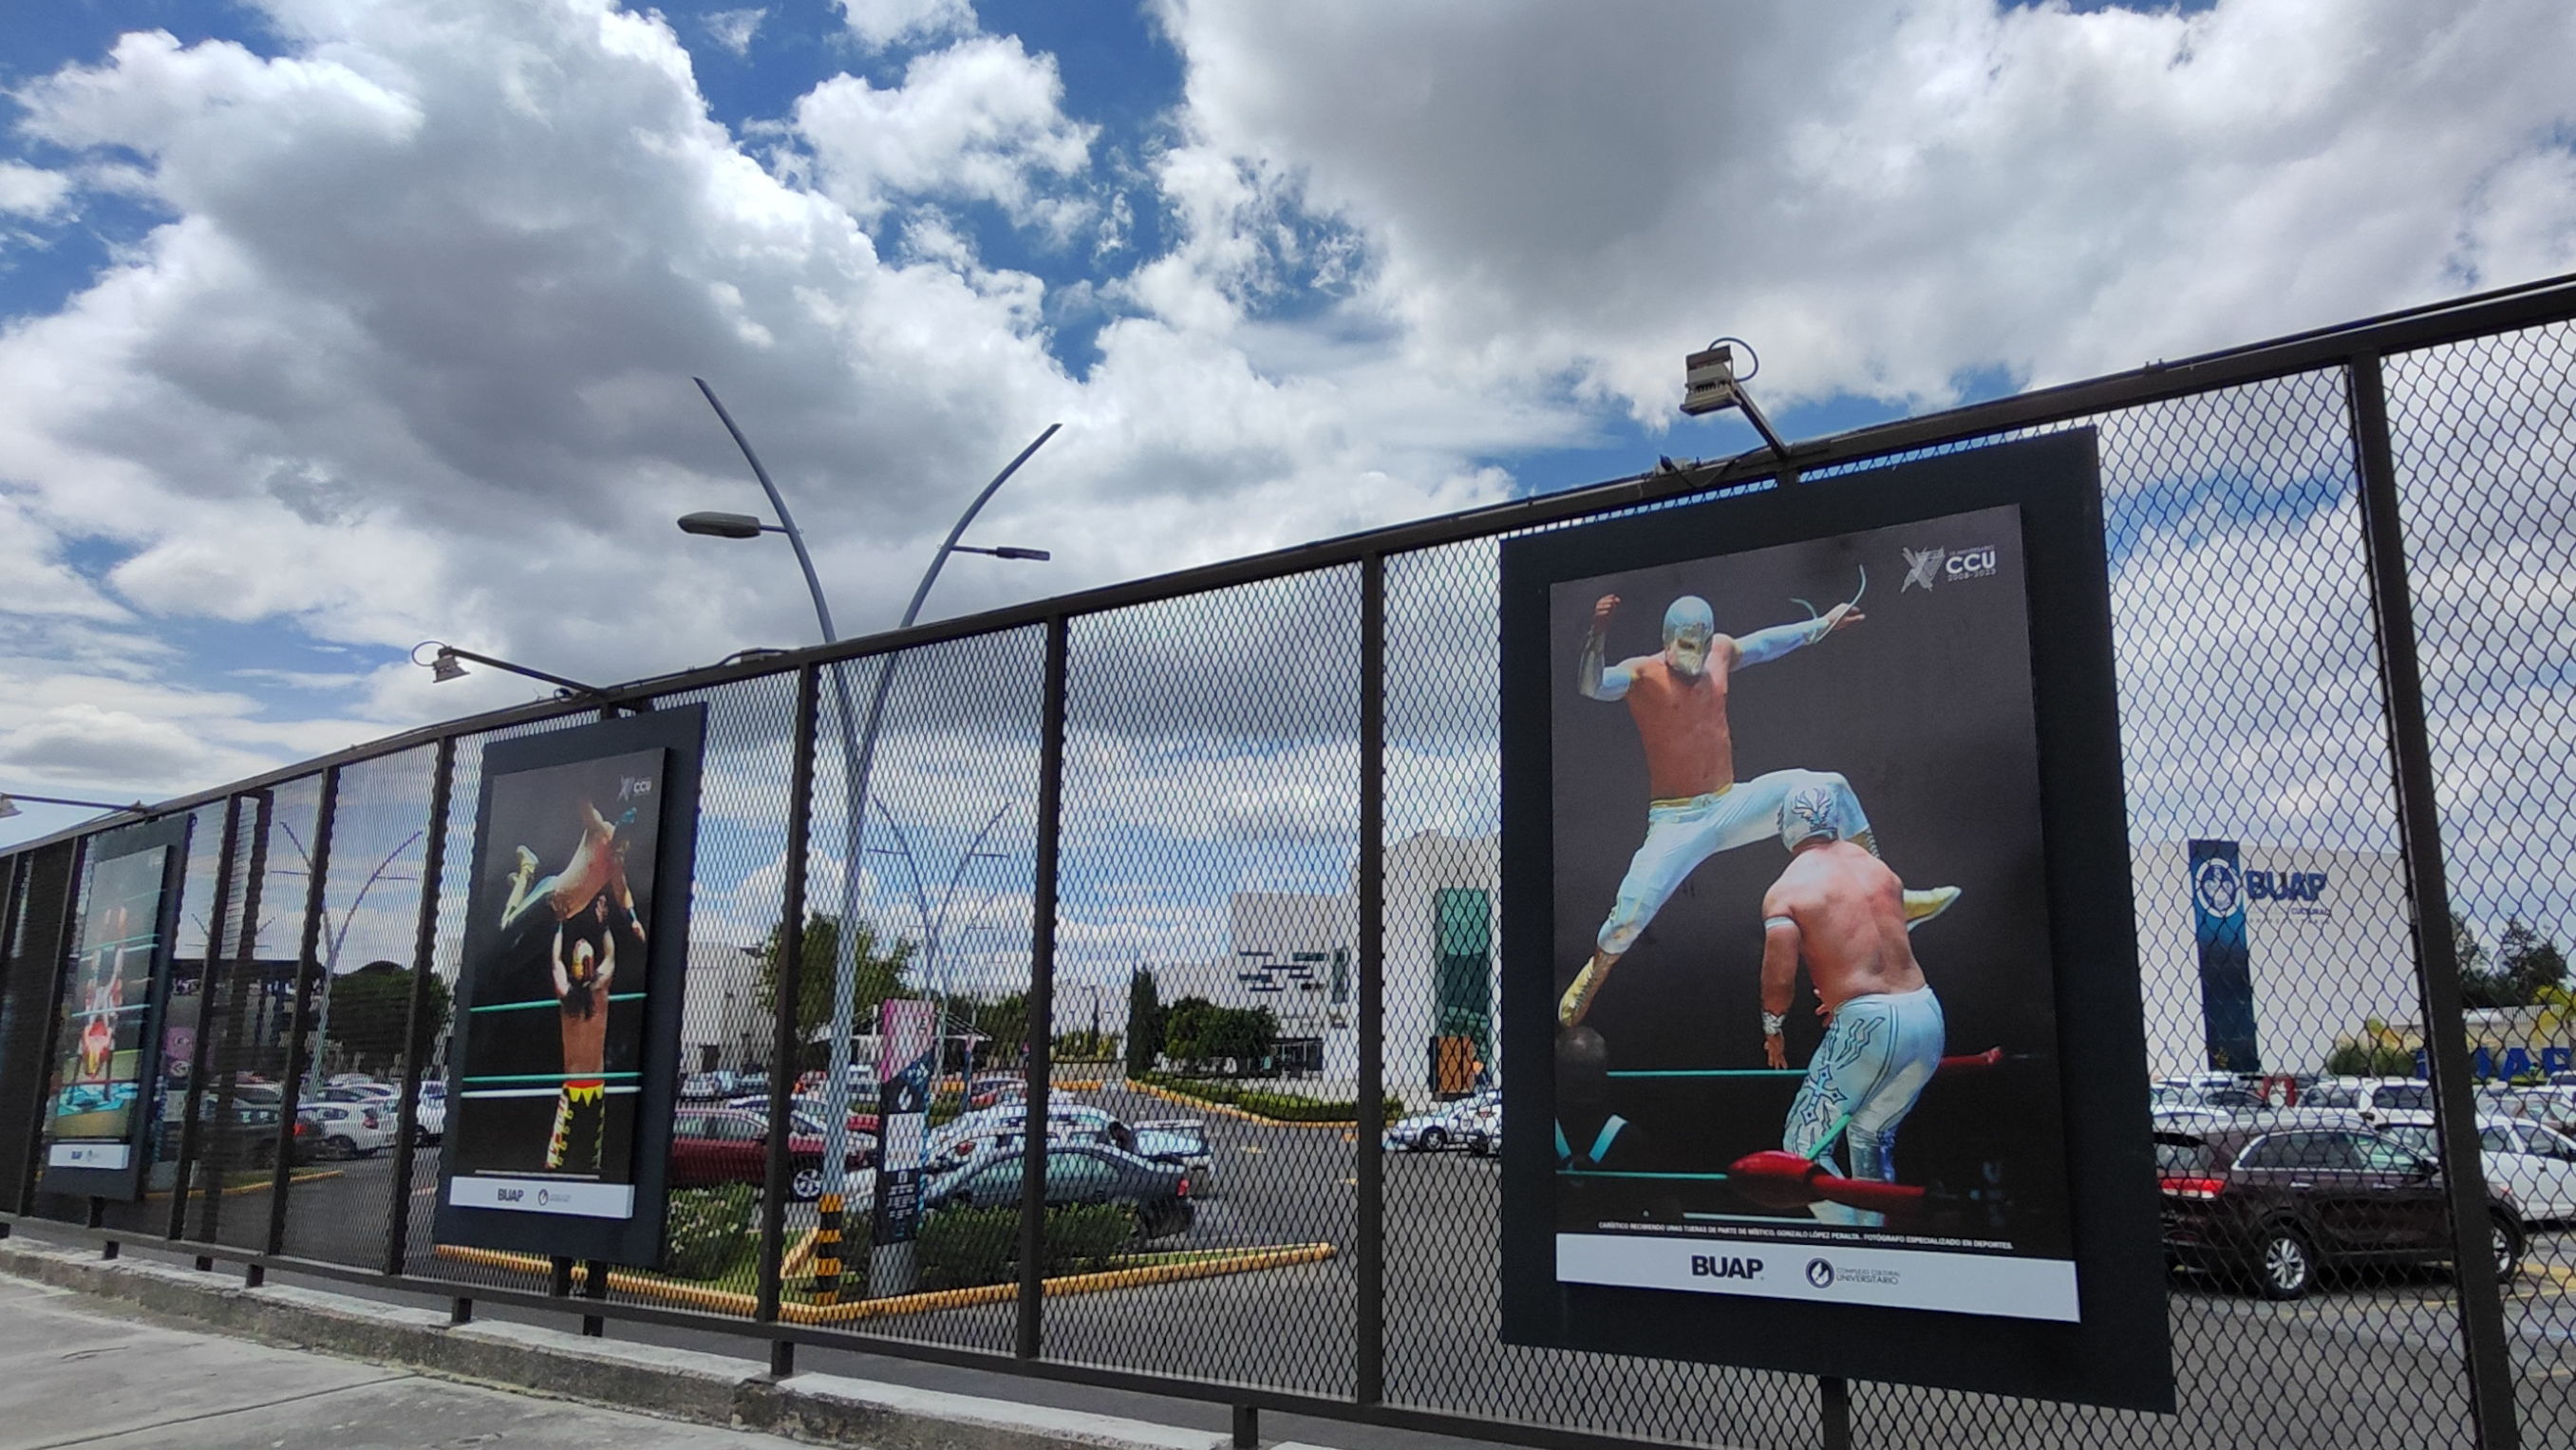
{"points": [[1820, 1273], [1927, 567], [2220, 891]]}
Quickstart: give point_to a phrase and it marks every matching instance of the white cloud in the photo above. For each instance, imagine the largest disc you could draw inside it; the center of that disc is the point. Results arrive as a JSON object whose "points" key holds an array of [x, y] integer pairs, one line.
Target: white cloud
{"points": [[31, 191], [734, 29], [880, 23], [979, 121], [1885, 195]]}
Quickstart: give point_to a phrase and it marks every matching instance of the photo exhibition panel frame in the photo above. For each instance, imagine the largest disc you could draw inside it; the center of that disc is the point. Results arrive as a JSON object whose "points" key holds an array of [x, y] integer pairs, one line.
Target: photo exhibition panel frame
{"points": [[563, 1069], [104, 1107], [1820, 975]]}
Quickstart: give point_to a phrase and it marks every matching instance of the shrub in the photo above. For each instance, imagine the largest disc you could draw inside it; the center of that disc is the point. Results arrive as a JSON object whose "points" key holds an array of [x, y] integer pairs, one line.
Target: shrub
{"points": [[708, 1232], [964, 1247], [1284, 1107], [2364, 1059]]}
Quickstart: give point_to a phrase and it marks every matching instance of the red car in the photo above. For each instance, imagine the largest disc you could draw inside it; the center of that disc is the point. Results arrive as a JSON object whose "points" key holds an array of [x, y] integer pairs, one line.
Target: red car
{"points": [[729, 1145]]}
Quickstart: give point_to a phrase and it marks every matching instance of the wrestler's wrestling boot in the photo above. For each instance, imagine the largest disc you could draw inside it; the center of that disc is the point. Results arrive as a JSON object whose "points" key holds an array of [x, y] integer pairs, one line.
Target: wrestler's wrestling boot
{"points": [[1922, 906], [1587, 985]]}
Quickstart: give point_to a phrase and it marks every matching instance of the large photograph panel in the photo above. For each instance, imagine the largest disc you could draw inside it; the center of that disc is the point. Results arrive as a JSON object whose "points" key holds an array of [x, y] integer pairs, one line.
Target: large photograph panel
{"points": [[1821, 818], [562, 1074], [543, 1097], [1820, 984], [105, 1091]]}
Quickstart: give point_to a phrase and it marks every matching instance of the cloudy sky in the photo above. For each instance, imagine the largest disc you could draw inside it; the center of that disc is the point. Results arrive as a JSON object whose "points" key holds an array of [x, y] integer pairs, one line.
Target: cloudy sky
{"points": [[329, 326]]}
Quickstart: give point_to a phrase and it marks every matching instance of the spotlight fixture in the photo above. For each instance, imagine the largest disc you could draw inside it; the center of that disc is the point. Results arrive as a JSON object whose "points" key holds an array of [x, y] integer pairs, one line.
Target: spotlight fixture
{"points": [[445, 666], [1712, 385]]}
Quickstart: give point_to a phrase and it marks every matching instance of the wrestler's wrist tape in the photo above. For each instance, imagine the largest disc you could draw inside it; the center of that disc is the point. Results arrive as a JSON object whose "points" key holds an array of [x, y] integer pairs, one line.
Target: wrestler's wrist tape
{"points": [[1772, 1023]]}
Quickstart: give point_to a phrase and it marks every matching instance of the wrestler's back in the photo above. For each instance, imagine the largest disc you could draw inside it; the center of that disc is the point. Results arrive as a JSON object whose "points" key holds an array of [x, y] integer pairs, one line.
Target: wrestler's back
{"points": [[1682, 722], [1850, 911]]}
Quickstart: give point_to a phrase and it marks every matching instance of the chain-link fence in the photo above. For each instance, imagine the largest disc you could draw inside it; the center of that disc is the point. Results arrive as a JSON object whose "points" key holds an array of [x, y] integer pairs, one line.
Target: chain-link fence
{"points": [[1203, 874]]}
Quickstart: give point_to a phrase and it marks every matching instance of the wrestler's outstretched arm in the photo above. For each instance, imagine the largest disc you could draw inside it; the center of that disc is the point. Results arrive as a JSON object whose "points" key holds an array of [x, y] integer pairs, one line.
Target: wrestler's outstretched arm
{"points": [[1779, 978], [1764, 645], [1591, 677], [607, 965]]}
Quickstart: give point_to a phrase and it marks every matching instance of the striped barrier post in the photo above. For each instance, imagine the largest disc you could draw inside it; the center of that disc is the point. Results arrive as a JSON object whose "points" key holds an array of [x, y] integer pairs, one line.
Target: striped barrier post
{"points": [[827, 1251]]}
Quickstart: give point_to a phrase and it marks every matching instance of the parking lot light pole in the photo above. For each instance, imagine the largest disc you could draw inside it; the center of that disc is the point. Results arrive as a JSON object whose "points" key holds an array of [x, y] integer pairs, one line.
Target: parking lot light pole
{"points": [[858, 750]]}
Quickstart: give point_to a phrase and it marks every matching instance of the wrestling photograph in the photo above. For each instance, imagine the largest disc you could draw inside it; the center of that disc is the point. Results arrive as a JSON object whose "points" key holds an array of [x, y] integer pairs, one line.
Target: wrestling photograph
{"points": [[1803, 985], [554, 977]]}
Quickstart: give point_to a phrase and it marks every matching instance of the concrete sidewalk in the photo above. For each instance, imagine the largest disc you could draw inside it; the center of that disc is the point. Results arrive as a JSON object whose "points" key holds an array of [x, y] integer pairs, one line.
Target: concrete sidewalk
{"points": [[78, 1371], [135, 1353]]}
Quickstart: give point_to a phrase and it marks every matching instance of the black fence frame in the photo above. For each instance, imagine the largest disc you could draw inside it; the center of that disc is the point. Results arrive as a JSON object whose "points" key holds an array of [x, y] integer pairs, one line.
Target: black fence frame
{"points": [[2356, 350]]}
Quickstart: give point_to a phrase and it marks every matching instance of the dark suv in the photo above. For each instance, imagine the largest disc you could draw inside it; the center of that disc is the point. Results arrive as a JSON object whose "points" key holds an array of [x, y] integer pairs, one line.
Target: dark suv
{"points": [[2281, 1201]]}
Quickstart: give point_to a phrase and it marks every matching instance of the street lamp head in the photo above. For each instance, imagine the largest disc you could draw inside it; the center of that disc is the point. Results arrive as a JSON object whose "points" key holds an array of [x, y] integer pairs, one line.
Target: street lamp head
{"points": [[1007, 551], [8, 808], [715, 525], [1710, 382], [444, 668]]}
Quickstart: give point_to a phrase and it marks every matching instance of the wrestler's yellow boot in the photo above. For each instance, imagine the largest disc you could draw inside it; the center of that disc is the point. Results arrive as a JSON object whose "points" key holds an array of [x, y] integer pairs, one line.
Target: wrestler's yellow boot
{"points": [[1922, 906], [1578, 997]]}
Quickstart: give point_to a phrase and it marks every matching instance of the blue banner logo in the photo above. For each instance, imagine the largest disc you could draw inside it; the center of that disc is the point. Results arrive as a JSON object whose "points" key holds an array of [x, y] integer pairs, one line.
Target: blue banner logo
{"points": [[2226, 968]]}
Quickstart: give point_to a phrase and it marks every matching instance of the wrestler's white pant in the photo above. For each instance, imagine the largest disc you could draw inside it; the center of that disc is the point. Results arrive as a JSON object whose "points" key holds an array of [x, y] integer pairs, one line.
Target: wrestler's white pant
{"points": [[1880, 1051], [1681, 834]]}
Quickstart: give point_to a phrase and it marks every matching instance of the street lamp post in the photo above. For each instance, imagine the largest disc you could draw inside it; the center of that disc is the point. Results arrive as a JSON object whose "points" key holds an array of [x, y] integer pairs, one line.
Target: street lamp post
{"points": [[858, 748], [934, 924]]}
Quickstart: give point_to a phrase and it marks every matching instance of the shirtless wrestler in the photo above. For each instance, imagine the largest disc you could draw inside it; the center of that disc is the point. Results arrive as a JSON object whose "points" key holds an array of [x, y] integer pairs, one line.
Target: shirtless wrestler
{"points": [[1698, 808]]}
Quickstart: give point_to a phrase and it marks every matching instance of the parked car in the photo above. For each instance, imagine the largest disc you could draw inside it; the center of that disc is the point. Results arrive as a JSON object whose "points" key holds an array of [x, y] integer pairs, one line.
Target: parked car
{"points": [[2551, 1107], [987, 1089], [727, 1145], [248, 1141], [1180, 1143], [2223, 1094], [429, 1113], [348, 1130], [2285, 1201], [2374, 1098], [705, 1087], [1076, 1173], [1474, 1123], [2533, 1167], [998, 1127]]}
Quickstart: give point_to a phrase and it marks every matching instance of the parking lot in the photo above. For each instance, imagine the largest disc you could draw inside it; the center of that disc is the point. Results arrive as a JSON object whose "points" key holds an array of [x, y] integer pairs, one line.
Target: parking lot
{"points": [[2373, 1356]]}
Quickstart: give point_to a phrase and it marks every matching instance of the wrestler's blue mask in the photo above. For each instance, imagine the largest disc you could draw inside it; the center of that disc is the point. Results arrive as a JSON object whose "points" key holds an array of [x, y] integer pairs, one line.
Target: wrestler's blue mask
{"points": [[1809, 812], [1688, 627]]}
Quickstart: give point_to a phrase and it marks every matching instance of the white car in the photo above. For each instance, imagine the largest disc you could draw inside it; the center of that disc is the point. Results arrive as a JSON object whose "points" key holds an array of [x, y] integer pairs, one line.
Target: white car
{"points": [[2528, 1164], [2377, 1099], [348, 1130], [429, 1113], [1473, 1123]]}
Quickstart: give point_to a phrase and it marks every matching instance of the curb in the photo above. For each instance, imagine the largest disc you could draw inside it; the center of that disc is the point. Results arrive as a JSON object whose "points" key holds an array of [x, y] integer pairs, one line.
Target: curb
{"points": [[676, 1384], [730, 1301], [163, 1195]]}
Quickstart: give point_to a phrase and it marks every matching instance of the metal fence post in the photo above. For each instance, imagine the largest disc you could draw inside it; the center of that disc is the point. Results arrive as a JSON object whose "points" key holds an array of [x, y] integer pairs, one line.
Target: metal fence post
{"points": [[308, 962], [2489, 1362], [192, 1108], [1368, 1251], [1041, 1013], [23, 1190], [245, 956], [787, 976], [417, 1048]]}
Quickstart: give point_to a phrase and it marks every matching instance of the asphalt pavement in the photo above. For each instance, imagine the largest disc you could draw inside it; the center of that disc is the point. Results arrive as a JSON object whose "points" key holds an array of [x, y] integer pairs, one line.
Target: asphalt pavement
{"points": [[2370, 1361]]}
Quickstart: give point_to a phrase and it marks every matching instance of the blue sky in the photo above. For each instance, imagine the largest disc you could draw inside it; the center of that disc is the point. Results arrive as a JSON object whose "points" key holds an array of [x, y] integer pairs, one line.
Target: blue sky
{"points": [[325, 329]]}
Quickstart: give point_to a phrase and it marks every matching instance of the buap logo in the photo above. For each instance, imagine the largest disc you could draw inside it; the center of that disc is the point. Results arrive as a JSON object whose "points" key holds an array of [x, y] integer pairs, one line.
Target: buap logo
{"points": [[1820, 1273], [2218, 887], [1922, 570]]}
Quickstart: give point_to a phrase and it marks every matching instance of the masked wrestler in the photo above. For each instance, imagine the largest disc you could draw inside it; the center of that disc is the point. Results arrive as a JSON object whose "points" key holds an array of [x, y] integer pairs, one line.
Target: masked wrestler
{"points": [[1842, 911], [1697, 809], [598, 867], [581, 1111], [103, 1000]]}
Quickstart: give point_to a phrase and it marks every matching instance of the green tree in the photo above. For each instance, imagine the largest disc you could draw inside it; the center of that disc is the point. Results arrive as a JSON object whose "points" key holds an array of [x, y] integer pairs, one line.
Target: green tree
{"points": [[880, 974], [370, 1009], [1202, 1034], [2529, 961], [1144, 1022], [2481, 984]]}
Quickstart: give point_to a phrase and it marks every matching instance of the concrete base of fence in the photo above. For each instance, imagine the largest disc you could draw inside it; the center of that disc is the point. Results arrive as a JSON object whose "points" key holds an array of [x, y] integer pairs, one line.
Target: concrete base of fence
{"points": [[679, 1384]]}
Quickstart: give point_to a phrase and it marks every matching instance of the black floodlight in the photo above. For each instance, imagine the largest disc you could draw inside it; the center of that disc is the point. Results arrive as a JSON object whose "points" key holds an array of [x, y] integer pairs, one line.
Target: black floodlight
{"points": [[714, 525], [1006, 551], [1710, 384]]}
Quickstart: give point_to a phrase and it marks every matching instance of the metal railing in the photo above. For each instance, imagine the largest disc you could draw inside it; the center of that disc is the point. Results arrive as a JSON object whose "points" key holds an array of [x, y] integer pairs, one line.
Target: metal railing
{"points": [[1294, 723]]}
